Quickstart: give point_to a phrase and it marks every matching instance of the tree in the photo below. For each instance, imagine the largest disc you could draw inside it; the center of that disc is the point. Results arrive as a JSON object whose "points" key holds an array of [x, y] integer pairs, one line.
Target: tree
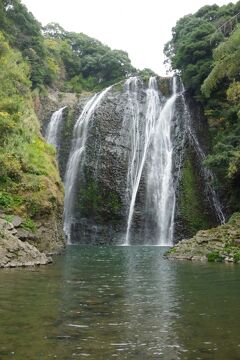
{"points": [[226, 63]]}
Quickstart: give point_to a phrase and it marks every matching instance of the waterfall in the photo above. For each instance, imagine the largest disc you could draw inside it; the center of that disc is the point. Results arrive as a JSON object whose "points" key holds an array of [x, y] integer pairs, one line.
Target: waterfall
{"points": [[53, 126], [156, 131], [141, 149], [160, 184], [76, 157], [139, 144]]}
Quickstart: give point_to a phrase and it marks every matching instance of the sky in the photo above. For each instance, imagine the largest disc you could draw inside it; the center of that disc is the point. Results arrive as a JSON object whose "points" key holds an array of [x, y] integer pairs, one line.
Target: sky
{"points": [[139, 27]]}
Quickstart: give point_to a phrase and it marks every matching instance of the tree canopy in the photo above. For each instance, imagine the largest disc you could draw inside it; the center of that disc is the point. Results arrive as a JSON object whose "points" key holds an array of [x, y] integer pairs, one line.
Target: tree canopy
{"points": [[67, 60], [205, 50]]}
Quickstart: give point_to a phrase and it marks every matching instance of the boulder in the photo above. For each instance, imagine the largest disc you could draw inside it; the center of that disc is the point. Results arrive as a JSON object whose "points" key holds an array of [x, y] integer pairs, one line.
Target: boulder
{"points": [[5, 225], [14, 252], [220, 244], [17, 221], [25, 235]]}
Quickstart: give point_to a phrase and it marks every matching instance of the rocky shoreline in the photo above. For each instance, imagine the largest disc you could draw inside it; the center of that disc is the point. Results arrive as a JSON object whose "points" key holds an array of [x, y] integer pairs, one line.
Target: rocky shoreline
{"points": [[220, 244], [19, 246]]}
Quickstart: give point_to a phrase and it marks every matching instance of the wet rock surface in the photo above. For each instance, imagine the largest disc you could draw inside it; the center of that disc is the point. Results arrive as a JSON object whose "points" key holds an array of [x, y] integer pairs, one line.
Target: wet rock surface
{"points": [[100, 201]]}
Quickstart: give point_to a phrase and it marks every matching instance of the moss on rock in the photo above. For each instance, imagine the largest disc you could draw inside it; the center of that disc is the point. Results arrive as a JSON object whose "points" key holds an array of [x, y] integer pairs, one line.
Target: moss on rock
{"points": [[191, 206], [220, 244], [95, 201]]}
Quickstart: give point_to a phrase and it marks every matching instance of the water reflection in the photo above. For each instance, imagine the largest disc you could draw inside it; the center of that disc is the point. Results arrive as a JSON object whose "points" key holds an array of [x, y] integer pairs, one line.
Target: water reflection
{"points": [[151, 303], [120, 302], [29, 305], [115, 302]]}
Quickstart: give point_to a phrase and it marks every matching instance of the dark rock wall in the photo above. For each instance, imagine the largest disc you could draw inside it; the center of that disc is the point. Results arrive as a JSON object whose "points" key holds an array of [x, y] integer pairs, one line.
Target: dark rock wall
{"points": [[195, 210]]}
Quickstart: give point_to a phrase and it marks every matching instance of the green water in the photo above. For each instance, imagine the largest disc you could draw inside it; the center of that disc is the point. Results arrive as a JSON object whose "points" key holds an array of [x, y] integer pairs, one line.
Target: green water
{"points": [[120, 303]]}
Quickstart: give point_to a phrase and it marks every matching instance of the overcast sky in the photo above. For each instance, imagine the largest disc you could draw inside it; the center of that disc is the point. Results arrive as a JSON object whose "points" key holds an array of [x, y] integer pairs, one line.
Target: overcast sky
{"points": [[140, 27]]}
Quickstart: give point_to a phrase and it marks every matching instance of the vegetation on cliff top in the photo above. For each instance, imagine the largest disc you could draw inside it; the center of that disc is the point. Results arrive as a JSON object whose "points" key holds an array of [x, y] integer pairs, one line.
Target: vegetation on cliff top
{"points": [[208, 58], [29, 180], [57, 58]]}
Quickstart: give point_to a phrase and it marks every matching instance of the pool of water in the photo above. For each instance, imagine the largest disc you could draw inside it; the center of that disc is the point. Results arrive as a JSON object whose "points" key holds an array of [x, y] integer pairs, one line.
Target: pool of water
{"points": [[129, 303]]}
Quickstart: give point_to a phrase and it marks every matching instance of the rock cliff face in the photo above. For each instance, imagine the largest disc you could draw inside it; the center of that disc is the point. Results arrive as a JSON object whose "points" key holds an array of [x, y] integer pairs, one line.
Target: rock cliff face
{"points": [[101, 205], [196, 195], [101, 200], [31, 196], [15, 252]]}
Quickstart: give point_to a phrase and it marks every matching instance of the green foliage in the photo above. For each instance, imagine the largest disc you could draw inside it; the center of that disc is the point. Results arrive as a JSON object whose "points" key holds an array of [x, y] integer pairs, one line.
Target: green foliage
{"points": [[234, 220], [145, 74], [23, 32], [29, 224], [27, 168], [77, 84], [88, 64], [214, 256], [55, 56], [226, 63], [10, 167], [194, 38], [8, 218], [236, 257], [173, 250], [36, 158], [6, 200], [224, 78], [191, 47], [7, 126], [9, 202], [209, 63]]}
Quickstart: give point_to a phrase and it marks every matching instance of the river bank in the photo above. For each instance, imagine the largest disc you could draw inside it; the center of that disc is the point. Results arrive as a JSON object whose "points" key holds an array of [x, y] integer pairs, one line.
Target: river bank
{"points": [[21, 246], [220, 244]]}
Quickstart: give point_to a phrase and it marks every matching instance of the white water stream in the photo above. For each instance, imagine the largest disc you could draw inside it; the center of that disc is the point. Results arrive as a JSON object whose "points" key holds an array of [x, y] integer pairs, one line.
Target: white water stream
{"points": [[160, 177], [157, 132], [53, 127], [76, 157]]}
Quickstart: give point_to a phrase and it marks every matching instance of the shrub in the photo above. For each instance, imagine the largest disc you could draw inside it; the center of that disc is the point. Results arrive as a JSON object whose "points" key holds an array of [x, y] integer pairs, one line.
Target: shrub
{"points": [[29, 224], [214, 256]]}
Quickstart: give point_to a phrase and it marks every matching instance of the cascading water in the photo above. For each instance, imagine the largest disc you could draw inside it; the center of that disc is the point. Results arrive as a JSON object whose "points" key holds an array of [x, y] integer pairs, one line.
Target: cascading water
{"points": [[76, 157], [132, 111], [154, 143], [53, 127], [139, 144], [145, 131], [160, 178]]}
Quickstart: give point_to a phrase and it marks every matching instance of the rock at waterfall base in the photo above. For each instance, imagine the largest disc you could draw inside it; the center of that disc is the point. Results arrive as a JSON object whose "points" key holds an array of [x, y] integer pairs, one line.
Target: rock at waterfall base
{"points": [[16, 253], [220, 244]]}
